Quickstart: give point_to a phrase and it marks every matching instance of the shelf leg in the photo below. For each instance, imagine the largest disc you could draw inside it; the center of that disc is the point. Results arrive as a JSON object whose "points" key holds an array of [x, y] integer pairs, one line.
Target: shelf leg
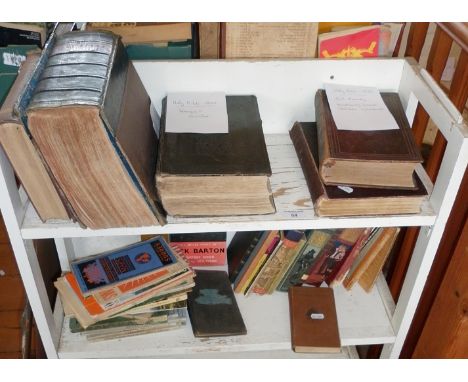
{"points": [[442, 199]]}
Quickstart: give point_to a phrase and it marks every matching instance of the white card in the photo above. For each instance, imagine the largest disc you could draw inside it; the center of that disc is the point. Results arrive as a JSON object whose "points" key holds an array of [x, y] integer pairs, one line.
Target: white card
{"points": [[359, 108], [203, 113]]}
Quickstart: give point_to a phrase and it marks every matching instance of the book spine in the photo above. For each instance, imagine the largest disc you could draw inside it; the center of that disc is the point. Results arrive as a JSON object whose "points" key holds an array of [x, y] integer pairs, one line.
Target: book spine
{"points": [[322, 131], [315, 243], [288, 264], [369, 277], [346, 265], [259, 261], [309, 167], [254, 259], [386, 235], [241, 243], [248, 258], [264, 263]]}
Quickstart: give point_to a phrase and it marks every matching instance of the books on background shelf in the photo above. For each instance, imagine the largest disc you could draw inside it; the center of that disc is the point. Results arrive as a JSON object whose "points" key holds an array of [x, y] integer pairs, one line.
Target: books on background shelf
{"points": [[268, 40], [216, 174], [152, 41], [90, 118], [364, 41], [23, 34], [332, 200], [383, 158], [267, 261], [371, 258], [138, 289]]}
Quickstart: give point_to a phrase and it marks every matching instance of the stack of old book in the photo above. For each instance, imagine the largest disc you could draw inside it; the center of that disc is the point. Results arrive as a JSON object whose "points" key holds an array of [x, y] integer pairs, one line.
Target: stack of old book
{"points": [[151, 40], [352, 171], [262, 262], [134, 290]]}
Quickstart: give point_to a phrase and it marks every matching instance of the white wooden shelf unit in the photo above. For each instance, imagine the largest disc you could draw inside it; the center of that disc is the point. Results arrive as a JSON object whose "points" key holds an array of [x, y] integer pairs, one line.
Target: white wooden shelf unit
{"points": [[285, 91]]}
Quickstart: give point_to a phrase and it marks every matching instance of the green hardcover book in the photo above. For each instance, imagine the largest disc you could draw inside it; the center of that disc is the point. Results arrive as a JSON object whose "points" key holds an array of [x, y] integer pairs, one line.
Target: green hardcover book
{"points": [[212, 306], [6, 81], [12, 56], [172, 50]]}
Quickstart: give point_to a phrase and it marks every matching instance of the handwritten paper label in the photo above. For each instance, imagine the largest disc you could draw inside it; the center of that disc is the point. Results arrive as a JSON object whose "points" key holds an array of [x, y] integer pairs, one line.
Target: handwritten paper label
{"points": [[359, 108], [202, 113]]}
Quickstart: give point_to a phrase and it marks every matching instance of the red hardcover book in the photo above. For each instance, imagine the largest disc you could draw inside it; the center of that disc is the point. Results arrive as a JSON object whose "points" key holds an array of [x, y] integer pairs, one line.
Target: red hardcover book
{"points": [[359, 42]]}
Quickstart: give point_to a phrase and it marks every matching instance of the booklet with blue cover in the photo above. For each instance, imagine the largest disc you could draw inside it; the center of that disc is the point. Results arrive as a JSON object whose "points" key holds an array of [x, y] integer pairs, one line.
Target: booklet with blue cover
{"points": [[112, 267]]}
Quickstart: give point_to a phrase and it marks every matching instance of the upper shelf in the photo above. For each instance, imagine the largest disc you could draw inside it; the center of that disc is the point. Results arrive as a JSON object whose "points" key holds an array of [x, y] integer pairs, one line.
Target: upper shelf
{"points": [[292, 199]]}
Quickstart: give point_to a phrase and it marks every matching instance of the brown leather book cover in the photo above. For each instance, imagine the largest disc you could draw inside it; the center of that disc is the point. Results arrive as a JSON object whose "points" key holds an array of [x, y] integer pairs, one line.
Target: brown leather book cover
{"points": [[314, 324], [212, 306], [355, 149], [331, 200]]}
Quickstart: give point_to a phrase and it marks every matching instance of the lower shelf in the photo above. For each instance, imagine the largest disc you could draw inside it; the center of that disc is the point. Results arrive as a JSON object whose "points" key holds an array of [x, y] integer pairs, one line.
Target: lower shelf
{"points": [[362, 318]]}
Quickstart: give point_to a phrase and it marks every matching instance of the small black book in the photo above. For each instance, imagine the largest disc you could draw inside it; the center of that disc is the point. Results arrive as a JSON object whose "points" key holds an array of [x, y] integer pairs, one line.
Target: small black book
{"points": [[212, 306]]}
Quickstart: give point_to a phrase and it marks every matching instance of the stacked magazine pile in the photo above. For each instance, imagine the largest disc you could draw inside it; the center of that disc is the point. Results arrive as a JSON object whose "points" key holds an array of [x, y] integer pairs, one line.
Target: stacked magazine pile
{"points": [[135, 290]]}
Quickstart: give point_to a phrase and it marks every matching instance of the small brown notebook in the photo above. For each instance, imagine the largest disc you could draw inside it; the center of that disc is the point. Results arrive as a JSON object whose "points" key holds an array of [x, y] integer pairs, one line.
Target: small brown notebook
{"points": [[314, 325], [385, 158]]}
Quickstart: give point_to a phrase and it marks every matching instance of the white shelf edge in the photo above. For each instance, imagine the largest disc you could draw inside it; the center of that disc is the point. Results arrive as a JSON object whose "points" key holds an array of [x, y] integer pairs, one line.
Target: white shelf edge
{"points": [[70, 230]]}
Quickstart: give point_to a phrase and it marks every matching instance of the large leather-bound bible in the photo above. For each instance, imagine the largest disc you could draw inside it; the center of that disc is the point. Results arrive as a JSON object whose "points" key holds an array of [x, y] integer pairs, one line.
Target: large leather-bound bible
{"points": [[330, 200], [385, 158], [216, 174], [90, 117]]}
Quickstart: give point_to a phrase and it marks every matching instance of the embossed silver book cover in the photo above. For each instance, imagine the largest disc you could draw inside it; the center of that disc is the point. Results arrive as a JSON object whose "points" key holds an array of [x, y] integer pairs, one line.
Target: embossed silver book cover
{"points": [[84, 68]]}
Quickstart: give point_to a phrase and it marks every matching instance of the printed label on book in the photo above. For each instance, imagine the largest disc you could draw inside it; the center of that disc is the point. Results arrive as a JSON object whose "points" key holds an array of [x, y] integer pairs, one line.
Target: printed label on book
{"points": [[202, 113], [202, 254], [359, 108]]}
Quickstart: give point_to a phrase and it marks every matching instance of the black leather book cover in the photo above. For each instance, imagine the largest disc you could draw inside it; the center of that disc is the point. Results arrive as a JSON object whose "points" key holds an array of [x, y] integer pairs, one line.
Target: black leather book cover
{"points": [[242, 151], [212, 306]]}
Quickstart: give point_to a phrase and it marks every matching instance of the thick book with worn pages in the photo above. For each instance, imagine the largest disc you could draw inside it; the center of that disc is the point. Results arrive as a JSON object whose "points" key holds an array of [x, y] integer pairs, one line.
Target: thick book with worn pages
{"points": [[216, 174], [385, 158], [22, 153], [314, 325], [90, 117], [330, 200], [212, 306]]}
